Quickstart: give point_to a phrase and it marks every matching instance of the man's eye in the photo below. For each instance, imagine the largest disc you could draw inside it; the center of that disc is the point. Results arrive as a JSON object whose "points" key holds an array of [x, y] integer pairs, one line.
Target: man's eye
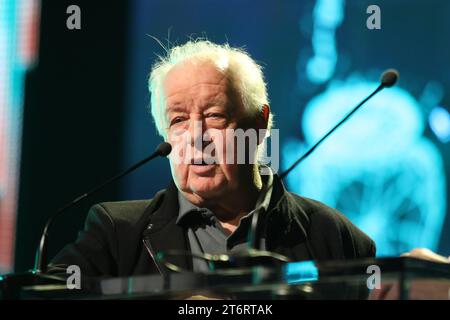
{"points": [[216, 115], [176, 120]]}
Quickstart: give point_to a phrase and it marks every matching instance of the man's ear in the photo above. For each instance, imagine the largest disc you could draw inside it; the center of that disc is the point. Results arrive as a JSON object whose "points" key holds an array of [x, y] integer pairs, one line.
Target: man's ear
{"points": [[263, 118], [266, 113], [263, 121]]}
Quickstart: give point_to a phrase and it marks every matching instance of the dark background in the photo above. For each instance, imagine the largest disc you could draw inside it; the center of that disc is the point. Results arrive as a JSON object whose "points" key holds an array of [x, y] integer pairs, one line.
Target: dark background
{"points": [[74, 106]]}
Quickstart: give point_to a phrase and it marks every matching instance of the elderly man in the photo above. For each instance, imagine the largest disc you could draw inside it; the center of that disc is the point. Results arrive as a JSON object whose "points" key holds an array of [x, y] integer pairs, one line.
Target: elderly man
{"points": [[200, 93]]}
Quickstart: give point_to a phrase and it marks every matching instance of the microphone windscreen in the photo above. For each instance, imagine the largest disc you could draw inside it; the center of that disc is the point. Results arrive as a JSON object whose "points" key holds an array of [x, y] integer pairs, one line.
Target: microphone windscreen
{"points": [[164, 149], [389, 78]]}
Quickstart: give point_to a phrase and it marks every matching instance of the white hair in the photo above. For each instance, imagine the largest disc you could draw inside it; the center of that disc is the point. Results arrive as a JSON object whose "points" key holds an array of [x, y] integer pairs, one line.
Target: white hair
{"points": [[244, 73]]}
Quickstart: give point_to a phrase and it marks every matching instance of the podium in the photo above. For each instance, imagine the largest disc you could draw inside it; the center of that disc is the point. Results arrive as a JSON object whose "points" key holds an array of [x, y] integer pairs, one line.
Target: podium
{"points": [[392, 278]]}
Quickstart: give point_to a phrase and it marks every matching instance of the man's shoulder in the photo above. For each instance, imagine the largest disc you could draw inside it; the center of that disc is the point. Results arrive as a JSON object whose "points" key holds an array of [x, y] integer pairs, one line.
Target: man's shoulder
{"points": [[317, 211], [320, 214], [129, 211], [330, 224]]}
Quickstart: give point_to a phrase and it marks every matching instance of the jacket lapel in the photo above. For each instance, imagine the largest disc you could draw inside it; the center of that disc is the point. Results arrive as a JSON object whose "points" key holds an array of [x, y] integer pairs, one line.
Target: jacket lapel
{"points": [[164, 235], [286, 225]]}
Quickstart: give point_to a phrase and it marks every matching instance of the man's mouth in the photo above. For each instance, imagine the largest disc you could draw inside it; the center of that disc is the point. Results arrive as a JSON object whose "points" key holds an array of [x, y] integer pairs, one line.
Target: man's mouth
{"points": [[201, 167], [203, 162]]}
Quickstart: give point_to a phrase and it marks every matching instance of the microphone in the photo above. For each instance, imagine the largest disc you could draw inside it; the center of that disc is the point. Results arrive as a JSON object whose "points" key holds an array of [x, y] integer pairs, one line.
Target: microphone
{"points": [[387, 80], [40, 265]]}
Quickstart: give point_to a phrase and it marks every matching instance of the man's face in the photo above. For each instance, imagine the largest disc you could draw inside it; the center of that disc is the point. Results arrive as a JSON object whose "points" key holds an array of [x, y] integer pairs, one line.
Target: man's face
{"points": [[199, 98]]}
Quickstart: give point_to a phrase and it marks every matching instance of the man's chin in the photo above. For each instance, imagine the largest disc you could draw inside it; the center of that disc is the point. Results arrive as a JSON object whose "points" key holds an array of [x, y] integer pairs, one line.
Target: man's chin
{"points": [[207, 189]]}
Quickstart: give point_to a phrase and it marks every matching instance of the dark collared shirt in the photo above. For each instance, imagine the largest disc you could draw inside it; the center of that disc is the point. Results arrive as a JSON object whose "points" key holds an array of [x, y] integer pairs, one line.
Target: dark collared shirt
{"points": [[206, 234]]}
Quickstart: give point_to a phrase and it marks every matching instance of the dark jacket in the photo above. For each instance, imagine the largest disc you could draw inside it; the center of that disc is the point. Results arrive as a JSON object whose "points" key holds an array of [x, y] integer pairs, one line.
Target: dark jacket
{"points": [[122, 238]]}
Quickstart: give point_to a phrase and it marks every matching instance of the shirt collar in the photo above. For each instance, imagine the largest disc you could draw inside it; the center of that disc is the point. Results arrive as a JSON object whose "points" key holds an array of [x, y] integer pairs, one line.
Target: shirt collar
{"points": [[186, 207]]}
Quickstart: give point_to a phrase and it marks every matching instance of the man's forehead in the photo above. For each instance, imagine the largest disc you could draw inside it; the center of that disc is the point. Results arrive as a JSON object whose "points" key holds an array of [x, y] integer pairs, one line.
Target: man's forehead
{"points": [[190, 74], [181, 103]]}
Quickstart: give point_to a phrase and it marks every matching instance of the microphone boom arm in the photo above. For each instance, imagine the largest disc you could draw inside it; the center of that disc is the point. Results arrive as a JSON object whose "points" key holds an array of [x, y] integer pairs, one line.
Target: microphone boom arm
{"points": [[40, 264]]}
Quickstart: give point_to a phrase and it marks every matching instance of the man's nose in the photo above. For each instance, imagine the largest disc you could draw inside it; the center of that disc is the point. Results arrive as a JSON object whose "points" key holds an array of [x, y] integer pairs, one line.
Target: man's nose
{"points": [[197, 130]]}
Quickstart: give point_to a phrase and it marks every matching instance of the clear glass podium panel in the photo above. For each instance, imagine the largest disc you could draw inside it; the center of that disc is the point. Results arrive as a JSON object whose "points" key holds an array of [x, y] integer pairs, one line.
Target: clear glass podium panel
{"points": [[373, 279]]}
